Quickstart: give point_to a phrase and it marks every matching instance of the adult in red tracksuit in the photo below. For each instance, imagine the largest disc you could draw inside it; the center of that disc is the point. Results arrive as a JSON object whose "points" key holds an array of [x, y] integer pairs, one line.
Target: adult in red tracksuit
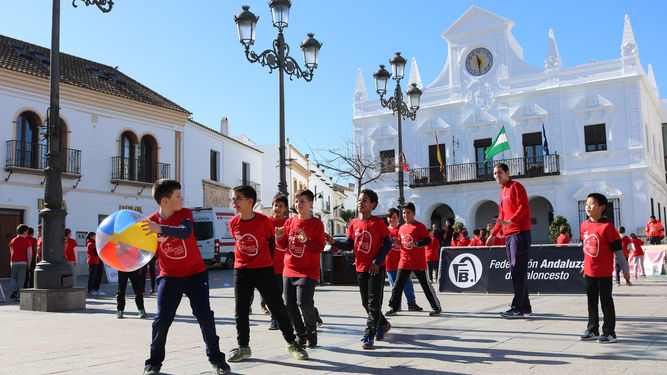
{"points": [[654, 231], [514, 220]]}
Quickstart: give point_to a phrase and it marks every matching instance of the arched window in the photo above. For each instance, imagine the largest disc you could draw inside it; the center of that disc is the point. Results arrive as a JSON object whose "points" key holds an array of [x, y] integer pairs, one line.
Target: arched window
{"points": [[27, 140]]}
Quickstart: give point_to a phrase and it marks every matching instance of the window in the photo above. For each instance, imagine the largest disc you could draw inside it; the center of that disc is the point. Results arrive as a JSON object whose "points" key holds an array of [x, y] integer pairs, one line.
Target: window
{"points": [[595, 138], [27, 138], [483, 169], [215, 157], [533, 153], [434, 166], [245, 173], [387, 161]]}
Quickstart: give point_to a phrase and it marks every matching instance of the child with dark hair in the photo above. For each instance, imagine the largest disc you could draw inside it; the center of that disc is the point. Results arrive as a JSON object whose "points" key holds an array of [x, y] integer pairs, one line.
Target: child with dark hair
{"points": [[394, 256], [600, 241], [637, 254], [279, 206], [94, 266], [414, 236], [463, 240], [563, 237], [477, 238], [625, 241], [20, 256], [432, 252], [182, 271], [303, 237], [368, 236], [70, 251]]}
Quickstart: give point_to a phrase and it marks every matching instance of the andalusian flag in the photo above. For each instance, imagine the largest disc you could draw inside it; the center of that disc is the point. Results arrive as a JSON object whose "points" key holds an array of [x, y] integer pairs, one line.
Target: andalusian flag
{"points": [[498, 146], [437, 148]]}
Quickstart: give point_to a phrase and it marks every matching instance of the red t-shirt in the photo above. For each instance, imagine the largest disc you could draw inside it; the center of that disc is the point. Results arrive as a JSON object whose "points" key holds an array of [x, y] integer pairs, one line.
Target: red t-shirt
{"points": [[463, 242], [637, 243], [562, 240], [20, 250], [251, 249], [368, 235], [93, 258], [177, 257], [412, 258], [625, 241], [302, 259], [597, 237], [499, 241], [70, 250], [279, 252], [39, 247], [395, 253], [33, 244], [476, 242], [513, 207], [432, 250]]}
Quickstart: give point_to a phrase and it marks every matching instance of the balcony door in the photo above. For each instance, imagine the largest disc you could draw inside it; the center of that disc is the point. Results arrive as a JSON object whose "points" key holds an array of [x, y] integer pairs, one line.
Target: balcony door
{"points": [[483, 170], [533, 153], [127, 156], [435, 175], [27, 139]]}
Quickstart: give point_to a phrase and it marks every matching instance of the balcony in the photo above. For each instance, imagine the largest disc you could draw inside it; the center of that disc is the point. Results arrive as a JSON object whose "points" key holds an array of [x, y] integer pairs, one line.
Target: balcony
{"points": [[131, 171], [477, 172], [29, 157]]}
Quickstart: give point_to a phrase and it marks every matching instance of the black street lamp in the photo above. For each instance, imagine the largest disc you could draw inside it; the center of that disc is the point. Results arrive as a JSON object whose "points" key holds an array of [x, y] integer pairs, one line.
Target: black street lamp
{"points": [[52, 272], [278, 58], [398, 106]]}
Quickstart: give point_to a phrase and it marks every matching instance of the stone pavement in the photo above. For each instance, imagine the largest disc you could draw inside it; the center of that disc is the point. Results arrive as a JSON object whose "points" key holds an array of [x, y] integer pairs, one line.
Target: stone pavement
{"points": [[469, 337]]}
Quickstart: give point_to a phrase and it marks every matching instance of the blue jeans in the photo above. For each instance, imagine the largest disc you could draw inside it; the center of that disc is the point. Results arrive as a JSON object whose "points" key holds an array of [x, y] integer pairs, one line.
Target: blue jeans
{"points": [[170, 290], [408, 289]]}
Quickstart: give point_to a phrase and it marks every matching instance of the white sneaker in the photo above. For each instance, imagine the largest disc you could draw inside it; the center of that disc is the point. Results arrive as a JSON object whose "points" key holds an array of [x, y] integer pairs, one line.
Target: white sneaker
{"points": [[93, 292], [100, 293]]}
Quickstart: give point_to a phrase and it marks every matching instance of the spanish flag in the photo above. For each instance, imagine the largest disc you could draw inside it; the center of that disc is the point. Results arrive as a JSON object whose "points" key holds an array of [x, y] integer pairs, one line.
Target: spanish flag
{"points": [[437, 148]]}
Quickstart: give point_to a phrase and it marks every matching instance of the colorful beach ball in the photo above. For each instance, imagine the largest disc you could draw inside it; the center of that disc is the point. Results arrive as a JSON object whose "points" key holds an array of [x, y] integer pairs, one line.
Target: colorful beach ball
{"points": [[122, 244]]}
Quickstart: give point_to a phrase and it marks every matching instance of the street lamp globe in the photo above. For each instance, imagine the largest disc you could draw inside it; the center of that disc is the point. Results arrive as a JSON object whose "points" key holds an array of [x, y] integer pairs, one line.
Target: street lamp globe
{"points": [[246, 22], [381, 76], [398, 66], [280, 12], [414, 95], [311, 51]]}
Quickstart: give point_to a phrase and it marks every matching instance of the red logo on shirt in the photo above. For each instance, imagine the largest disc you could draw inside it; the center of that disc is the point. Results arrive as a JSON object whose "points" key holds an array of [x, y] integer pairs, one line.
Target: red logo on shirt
{"points": [[395, 244], [173, 248], [591, 244], [363, 240], [296, 247], [247, 244], [407, 242]]}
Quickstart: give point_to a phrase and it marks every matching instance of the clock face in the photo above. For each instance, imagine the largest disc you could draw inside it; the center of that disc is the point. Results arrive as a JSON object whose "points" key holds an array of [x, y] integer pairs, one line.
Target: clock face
{"points": [[479, 61]]}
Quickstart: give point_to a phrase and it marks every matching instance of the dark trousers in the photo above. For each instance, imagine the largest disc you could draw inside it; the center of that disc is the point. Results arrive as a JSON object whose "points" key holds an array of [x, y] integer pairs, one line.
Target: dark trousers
{"points": [[150, 267], [403, 276], [433, 269], [279, 282], [599, 289], [370, 288], [655, 240], [264, 279], [170, 290], [29, 275], [298, 293], [517, 248], [137, 286], [95, 276]]}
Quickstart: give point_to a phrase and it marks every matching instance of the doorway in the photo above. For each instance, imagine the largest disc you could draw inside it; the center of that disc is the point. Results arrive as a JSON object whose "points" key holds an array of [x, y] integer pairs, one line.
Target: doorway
{"points": [[9, 220]]}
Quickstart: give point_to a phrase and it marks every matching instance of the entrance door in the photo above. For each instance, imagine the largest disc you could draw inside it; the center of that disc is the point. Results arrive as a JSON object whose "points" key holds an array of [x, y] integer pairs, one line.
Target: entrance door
{"points": [[9, 220]]}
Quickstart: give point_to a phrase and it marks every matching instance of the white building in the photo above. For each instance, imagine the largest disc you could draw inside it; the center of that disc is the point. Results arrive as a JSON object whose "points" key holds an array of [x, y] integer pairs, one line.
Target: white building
{"points": [[603, 122]]}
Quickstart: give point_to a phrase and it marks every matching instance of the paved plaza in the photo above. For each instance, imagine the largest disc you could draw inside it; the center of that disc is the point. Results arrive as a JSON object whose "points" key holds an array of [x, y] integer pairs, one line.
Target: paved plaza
{"points": [[468, 338]]}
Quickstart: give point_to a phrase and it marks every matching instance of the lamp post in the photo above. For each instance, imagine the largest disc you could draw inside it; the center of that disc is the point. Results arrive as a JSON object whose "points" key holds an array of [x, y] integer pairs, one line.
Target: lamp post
{"points": [[398, 106], [52, 272], [278, 58]]}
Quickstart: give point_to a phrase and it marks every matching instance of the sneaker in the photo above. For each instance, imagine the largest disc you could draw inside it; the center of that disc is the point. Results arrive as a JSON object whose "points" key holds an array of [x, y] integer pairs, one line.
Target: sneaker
{"points": [[607, 339], [390, 312], [92, 293], [273, 326], [302, 341], [142, 314], [266, 310], [588, 336], [435, 312], [628, 283], [221, 367], [297, 350], [100, 293], [151, 370], [119, 314], [528, 313], [239, 354], [312, 339], [367, 342], [414, 307], [512, 314], [382, 331]]}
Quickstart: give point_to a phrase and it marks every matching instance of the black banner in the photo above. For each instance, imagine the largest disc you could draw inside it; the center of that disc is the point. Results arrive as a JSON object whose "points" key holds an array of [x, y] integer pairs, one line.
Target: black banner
{"points": [[551, 269]]}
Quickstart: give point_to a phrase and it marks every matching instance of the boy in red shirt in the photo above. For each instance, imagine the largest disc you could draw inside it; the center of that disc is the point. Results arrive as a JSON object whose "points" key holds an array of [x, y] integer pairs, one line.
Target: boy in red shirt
{"points": [[432, 253], [303, 237], [70, 250], [600, 241], [182, 271], [278, 219], [253, 268], [463, 240], [394, 257], [368, 236], [20, 257], [625, 241], [564, 237], [476, 238], [637, 253], [30, 275], [414, 236]]}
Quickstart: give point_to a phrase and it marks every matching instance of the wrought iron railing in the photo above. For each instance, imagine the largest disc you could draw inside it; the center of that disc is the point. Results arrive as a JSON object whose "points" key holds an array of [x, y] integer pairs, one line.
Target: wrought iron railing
{"points": [[473, 172], [32, 155], [131, 169]]}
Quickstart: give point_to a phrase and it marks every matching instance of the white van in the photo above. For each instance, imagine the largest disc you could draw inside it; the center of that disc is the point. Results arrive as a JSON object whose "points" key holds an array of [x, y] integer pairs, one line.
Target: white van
{"points": [[211, 229]]}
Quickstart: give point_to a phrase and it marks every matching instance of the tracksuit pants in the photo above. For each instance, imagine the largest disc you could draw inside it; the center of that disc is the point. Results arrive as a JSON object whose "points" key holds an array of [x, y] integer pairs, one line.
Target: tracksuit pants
{"points": [[599, 289], [299, 293], [517, 247], [402, 277], [137, 286], [371, 288]]}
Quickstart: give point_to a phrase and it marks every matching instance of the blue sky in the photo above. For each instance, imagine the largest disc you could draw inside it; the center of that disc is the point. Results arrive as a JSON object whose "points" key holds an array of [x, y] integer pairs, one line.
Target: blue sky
{"points": [[189, 52]]}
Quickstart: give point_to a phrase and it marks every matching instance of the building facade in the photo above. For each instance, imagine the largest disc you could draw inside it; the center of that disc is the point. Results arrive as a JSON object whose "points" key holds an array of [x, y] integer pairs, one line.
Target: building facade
{"points": [[602, 121]]}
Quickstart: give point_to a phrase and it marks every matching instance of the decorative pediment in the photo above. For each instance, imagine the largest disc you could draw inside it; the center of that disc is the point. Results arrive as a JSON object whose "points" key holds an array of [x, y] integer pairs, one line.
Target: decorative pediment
{"points": [[604, 188], [434, 125], [383, 132], [529, 112], [474, 21], [479, 119], [593, 103]]}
